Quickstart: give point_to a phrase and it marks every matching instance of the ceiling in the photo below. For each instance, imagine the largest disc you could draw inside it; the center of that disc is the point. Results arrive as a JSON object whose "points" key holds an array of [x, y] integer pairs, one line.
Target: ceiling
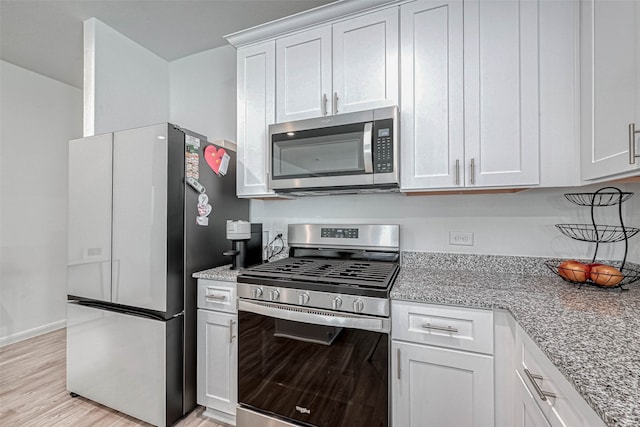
{"points": [[45, 36]]}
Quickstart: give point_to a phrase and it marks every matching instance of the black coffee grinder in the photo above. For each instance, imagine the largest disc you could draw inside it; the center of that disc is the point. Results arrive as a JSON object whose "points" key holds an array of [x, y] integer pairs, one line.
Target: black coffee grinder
{"points": [[246, 243]]}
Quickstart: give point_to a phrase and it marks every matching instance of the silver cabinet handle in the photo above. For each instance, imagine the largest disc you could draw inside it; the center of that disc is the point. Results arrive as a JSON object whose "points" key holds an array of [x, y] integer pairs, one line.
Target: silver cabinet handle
{"points": [[323, 102], [335, 102], [215, 297], [439, 328], [231, 336], [398, 360], [541, 393], [366, 147], [472, 178], [457, 171], [632, 143]]}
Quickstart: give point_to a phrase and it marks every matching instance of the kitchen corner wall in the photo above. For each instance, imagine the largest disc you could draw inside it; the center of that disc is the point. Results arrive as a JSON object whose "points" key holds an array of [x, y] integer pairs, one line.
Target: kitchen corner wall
{"points": [[39, 115], [502, 224], [203, 93], [125, 85]]}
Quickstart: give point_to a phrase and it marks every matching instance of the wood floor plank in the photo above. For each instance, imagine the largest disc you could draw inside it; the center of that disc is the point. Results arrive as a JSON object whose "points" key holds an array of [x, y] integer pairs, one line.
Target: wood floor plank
{"points": [[33, 391]]}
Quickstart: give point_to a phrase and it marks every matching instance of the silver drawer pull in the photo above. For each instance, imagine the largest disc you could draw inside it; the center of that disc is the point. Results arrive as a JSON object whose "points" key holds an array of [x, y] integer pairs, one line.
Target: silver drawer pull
{"points": [[440, 328], [216, 297], [541, 393]]}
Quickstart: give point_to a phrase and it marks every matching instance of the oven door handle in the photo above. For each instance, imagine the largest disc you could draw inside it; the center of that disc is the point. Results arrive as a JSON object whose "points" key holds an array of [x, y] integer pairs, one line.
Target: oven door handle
{"points": [[315, 316]]}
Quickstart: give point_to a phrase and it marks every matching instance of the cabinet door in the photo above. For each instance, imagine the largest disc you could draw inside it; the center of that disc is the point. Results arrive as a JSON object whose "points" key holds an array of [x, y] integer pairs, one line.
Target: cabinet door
{"points": [[527, 411], [303, 64], [432, 98], [217, 361], [501, 92], [365, 62], [611, 86], [563, 406], [256, 105], [434, 386], [89, 218]]}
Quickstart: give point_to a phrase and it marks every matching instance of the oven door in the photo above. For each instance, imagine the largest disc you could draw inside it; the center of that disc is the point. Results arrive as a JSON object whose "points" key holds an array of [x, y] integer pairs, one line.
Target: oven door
{"points": [[311, 367]]}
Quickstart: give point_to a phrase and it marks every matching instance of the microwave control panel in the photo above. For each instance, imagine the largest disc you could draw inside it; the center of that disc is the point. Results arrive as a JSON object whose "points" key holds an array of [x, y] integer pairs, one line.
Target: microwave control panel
{"points": [[383, 146]]}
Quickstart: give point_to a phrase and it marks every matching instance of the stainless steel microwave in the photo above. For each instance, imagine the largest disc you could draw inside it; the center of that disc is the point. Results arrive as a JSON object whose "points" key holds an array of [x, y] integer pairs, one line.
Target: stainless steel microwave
{"points": [[345, 153]]}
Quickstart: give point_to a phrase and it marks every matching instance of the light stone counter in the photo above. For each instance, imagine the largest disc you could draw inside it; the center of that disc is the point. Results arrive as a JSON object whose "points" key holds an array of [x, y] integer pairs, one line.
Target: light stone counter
{"points": [[223, 273], [591, 335]]}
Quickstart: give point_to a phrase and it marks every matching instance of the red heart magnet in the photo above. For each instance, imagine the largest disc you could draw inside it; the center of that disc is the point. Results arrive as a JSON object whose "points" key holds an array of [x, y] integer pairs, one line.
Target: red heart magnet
{"points": [[214, 157]]}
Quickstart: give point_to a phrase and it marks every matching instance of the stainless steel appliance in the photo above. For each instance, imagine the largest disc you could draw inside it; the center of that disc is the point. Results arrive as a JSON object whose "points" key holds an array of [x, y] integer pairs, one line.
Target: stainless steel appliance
{"points": [[313, 329], [345, 153], [246, 243], [147, 208]]}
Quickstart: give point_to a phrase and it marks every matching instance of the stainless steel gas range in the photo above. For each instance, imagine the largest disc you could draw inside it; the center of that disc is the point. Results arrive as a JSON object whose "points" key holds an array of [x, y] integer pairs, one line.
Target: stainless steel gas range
{"points": [[313, 329]]}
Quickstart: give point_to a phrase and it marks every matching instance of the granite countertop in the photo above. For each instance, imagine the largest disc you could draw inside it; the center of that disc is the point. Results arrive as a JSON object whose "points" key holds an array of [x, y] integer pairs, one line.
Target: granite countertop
{"points": [[223, 273], [591, 335]]}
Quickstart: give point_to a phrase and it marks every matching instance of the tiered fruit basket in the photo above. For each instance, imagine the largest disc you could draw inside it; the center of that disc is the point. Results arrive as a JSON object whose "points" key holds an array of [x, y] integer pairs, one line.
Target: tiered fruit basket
{"points": [[593, 274]]}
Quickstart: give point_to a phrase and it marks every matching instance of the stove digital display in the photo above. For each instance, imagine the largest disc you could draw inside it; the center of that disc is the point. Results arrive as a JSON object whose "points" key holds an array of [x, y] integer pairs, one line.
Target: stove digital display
{"points": [[339, 233]]}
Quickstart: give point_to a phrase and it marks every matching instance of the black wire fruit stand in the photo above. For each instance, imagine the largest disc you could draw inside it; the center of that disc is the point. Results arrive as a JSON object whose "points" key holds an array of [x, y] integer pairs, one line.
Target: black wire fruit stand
{"points": [[598, 233]]}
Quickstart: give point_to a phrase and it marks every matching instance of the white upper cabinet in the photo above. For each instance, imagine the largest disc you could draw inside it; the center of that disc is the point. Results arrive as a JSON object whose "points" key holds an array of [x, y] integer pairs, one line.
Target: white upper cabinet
{"points": [[432, 113], [365, 62], [501, 92], [469, 112], [304, 74], [351, 65], [610, 87], [256, 111]]}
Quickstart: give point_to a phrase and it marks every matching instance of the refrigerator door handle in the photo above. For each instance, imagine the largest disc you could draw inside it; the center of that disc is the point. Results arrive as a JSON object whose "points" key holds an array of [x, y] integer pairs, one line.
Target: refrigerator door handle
{"points": [[121, 310]]}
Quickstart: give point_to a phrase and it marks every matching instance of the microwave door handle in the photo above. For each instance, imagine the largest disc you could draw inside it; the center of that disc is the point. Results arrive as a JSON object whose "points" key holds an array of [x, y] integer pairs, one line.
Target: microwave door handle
{"points": [[366, 147]]}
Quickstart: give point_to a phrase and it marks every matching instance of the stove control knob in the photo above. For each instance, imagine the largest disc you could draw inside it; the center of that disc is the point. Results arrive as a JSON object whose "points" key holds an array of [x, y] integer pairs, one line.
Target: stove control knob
{"points": [[257, 293], [358, 305], [336, 303], [274, 295], [303, 298]]}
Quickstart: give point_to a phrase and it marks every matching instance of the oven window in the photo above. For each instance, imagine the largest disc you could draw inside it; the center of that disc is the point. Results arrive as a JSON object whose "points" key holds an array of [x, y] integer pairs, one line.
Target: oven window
{"points": [[310, 154], [311, 374]]}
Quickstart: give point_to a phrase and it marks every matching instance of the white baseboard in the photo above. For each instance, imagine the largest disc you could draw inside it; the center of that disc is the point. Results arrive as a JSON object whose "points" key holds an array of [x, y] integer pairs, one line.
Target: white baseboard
{"points": [[20, 336], [229, 419]]}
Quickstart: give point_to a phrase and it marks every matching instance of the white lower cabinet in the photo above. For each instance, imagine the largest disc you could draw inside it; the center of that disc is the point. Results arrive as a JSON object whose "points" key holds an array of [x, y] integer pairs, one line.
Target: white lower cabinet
{"points": [[435, 386], [530, 391], [527, 412], [435, 381], [217, 358], [556, 398]]}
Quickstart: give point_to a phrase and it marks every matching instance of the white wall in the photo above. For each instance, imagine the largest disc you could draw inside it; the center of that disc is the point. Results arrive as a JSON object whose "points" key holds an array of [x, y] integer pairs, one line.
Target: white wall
{"points": [[38, 116], [125, 85], [503, 224], [203, 93]]}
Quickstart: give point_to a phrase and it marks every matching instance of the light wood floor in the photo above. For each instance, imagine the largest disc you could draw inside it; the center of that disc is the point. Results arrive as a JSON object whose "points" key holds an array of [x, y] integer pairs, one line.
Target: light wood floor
{"points": [[33, 391]]}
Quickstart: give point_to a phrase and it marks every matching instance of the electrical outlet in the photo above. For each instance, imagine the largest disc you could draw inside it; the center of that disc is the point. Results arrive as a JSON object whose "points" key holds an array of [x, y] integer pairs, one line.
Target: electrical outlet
{"points": [[461, 238]]}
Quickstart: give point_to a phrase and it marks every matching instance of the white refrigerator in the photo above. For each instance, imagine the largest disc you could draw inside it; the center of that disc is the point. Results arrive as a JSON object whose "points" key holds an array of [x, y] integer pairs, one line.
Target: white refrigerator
{"points": [[147, 209]]}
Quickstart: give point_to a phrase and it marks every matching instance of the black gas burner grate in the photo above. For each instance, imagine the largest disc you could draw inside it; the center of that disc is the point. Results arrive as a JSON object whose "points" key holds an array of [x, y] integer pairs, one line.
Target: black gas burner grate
{"points": [[338, 272]]}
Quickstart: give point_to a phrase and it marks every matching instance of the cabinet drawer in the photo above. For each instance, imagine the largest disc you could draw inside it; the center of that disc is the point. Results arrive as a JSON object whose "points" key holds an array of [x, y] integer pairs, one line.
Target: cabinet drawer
{"points": [[217, 295], [454, 327], [561, 404]]}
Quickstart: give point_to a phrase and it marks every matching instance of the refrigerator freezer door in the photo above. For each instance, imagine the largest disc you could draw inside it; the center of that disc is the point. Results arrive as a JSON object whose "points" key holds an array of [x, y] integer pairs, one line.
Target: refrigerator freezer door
{"points": [[120, 361], [140, 218], [89, 218]]}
